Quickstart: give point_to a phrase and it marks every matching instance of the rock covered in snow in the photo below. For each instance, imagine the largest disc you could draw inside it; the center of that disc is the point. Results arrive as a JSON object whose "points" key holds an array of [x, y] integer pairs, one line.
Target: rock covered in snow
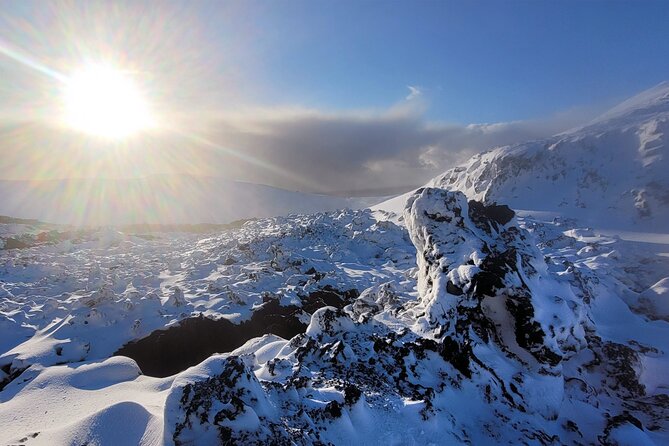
{"points": [[484, 290], [654, 302], [177, 298], [103, 295], [220, 401]]}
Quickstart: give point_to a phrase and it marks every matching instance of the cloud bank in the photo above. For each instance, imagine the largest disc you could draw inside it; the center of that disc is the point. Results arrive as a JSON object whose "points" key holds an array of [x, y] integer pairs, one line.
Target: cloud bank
{"points": [[293, 148], [349, 151]]}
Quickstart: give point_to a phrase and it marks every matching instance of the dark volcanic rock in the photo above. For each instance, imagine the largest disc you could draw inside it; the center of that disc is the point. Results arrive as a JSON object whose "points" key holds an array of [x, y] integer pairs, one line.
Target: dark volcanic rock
{"points": [[166, 352], [494, 215], [225, 404], [328, 297]]}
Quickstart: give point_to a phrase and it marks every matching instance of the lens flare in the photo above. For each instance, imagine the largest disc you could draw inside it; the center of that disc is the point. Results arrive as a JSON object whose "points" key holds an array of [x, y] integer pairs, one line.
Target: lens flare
{"points": [[102, 101]]}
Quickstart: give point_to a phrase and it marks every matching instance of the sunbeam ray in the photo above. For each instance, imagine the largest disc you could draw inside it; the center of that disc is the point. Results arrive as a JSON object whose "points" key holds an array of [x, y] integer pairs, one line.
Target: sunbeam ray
{"points": [[28, 61]]}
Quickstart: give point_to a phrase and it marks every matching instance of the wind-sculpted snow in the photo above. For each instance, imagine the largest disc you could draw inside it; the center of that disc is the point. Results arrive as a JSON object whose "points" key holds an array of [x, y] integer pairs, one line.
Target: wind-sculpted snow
{"points": [[469, 325]]}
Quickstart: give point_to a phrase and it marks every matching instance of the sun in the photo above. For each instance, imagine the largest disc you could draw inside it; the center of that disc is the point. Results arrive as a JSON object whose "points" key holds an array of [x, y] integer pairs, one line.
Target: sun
{"points": [[105, 102]]}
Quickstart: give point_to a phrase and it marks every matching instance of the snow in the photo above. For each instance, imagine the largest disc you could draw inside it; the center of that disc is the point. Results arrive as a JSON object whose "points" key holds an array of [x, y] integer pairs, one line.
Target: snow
{"points": [[105, 402], [434, 319], [628, 434], [87, 398], [610, 173]]}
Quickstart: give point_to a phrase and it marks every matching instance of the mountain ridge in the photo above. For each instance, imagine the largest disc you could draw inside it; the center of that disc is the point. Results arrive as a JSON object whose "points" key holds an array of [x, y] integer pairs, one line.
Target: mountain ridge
{"points": [[610, 171]]}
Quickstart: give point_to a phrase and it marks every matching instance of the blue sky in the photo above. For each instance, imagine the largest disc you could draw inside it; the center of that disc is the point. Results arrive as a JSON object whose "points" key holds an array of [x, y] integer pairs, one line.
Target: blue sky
{"points": [[476, 61], [314, 95]]}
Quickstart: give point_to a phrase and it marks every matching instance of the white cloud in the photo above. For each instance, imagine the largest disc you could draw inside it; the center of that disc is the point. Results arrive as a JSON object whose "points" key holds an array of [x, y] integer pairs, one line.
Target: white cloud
{"points": [[414, 92]]}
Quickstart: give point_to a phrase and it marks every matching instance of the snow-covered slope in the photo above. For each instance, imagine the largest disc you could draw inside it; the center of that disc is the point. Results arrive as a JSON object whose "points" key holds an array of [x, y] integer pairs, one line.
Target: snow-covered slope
{"points": [[469, 325], [167, 199], [611, 172]]}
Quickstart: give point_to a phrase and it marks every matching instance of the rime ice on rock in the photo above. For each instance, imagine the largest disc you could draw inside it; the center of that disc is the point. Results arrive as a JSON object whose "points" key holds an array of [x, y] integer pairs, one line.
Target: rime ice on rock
{"points": [[220, 402], [176, 298], [485, 294]]}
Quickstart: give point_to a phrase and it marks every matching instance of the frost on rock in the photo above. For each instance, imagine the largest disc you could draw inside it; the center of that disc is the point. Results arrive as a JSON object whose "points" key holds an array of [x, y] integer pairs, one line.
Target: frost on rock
{"points": [[105, 294], [176, 298], [486, 295], [220, 402]]}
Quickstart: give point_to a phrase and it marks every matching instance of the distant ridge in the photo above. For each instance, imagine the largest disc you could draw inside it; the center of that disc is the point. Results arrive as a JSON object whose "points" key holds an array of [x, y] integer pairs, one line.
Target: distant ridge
{"points": [[165, 200]]}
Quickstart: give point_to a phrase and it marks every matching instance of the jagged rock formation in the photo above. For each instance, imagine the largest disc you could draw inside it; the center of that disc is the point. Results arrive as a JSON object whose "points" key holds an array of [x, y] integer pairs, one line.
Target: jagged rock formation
{"points": [[484, 289], [220, 402]]}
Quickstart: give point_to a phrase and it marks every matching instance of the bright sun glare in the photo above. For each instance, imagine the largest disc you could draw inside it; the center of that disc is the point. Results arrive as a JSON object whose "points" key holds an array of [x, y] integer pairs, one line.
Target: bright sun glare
{"points": [[105, 102]]}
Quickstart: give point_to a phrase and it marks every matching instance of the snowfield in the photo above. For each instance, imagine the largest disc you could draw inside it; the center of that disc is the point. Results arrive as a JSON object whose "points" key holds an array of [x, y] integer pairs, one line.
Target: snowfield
{"points": [[561, 341], [441, 317]]}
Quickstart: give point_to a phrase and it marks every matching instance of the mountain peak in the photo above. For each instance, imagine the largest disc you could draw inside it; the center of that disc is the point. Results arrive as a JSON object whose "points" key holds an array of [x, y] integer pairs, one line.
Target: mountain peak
{"points": [[651, 101], [609, 172]]}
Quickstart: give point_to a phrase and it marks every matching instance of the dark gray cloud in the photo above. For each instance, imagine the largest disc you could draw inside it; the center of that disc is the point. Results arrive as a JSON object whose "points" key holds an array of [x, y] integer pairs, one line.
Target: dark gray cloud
{"points": [[363, 151]]}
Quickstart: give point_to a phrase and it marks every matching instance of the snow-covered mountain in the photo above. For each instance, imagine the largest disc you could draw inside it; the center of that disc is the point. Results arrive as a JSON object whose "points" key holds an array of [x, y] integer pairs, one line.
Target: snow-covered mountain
{"points": [[161, 199], [463, 322], [609, 173]]}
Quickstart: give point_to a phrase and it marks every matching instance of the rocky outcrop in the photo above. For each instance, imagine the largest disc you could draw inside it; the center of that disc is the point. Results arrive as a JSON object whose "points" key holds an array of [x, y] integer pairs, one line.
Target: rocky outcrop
{"points": [[221, 402], [485, 293]]}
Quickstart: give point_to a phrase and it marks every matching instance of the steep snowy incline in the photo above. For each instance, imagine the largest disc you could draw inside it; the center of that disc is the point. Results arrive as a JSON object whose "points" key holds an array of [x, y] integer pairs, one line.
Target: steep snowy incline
{"points": [[611, 172], [161, 199]]}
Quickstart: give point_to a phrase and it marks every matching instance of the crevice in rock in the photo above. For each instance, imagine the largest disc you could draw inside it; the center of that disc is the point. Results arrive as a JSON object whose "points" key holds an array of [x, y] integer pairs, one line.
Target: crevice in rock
{"points": [[10, 375]]}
